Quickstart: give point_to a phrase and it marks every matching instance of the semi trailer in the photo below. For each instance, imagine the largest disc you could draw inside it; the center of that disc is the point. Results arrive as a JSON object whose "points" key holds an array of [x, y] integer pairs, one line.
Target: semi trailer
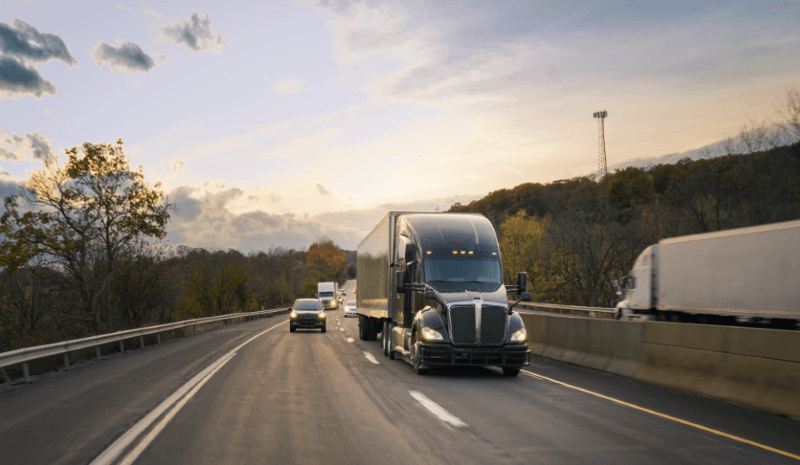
{"points": [[431, 284], [739, 274], [326, 292]]}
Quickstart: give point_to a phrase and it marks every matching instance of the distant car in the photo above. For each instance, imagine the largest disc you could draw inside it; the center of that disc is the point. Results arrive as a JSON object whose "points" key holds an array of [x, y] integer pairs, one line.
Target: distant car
{"points": [[350, 308], [307, 313], [341, 298], [353, 291]]}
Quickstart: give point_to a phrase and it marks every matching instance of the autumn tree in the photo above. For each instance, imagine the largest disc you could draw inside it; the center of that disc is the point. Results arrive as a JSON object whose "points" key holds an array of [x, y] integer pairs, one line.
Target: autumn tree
{"points": [[79, 217]]}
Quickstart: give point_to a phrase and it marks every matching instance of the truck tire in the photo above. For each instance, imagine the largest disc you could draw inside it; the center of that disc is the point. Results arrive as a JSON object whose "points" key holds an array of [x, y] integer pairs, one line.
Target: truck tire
{"points": [[292, 329], [363, 324], [510, 371], [323, 329], [385, 338]]}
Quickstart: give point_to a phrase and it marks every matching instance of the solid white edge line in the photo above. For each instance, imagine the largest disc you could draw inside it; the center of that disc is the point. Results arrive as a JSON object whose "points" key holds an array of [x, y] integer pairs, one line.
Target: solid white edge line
{"points": [[115, 449], [437, 410], [134, 454], [350, 339], [371, 358]]}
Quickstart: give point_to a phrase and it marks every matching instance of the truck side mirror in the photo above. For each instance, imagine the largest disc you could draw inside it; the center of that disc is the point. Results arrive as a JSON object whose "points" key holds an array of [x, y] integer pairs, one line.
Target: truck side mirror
{"points": [[527, 296], [522, 281], [430, 294], [401, 276]]}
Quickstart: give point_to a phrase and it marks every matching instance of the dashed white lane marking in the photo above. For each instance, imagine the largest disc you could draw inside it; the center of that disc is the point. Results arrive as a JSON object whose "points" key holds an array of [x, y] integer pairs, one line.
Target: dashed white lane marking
{"points": [[350, 339], [437, 410], [341, 329], [371, 358], [134, 454], [117, 447]]}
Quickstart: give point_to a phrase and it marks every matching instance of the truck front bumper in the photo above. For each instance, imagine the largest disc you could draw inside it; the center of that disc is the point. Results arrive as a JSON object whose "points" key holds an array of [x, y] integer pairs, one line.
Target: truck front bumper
{"points": [[442, 355]]}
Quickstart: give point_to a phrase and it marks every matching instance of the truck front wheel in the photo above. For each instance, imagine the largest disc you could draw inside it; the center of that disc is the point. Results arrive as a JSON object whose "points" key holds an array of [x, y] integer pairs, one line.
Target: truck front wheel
{"points": [[510, 371]]}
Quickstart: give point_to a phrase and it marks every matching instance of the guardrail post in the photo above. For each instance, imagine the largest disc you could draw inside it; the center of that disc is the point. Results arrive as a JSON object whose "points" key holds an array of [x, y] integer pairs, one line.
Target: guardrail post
{"points": [[158, 338], [97, 352], [25, 372], [141, 341], [66, 360], [121, 347], [173, 334]]}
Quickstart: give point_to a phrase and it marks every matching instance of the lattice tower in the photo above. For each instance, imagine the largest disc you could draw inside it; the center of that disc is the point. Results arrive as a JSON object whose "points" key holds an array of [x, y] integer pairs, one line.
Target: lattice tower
{"points": [[602, 167]]}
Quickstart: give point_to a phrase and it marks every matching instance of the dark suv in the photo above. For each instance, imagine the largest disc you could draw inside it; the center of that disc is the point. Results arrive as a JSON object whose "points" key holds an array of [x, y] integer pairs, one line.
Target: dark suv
{"points": [[307, 313]]}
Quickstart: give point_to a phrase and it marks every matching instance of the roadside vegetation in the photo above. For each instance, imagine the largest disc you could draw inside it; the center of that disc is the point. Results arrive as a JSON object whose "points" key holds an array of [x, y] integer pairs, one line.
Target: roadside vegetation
{"points": [[81, 254], [575, 236]]}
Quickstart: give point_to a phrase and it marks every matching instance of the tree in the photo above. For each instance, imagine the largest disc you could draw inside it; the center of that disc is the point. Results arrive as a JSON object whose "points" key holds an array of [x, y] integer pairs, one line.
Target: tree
{"points": [[325, 253], [519, 241], [80, 216]]}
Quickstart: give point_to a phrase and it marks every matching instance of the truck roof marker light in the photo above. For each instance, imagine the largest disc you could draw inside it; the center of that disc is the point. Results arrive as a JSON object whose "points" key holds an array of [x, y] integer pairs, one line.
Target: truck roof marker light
{"points": [[429, 252], [455, 252], [470, 252], [494, 253], [463, 252]]}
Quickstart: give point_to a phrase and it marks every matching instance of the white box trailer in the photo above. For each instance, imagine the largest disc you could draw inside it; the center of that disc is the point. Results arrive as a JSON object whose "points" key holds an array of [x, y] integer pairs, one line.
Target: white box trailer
{"points": [[749, 272]]}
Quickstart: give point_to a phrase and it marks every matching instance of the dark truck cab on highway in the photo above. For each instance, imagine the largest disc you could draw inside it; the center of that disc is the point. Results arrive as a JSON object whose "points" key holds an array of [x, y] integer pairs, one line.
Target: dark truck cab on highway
{"points": [[431, 285]]}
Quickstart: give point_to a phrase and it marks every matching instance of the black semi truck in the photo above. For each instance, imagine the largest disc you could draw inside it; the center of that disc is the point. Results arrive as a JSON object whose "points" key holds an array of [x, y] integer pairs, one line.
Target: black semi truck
{"points": [[432, 285]]}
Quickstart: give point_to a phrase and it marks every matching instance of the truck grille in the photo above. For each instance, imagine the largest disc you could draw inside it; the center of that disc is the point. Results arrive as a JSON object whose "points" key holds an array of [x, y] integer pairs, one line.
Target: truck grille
{"points": [[462, 323], [493, 321]]}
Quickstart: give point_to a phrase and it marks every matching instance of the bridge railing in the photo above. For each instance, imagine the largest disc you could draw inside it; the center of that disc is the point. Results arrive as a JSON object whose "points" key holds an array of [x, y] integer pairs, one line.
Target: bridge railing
{"points": [[593, 312], [23, 356]]}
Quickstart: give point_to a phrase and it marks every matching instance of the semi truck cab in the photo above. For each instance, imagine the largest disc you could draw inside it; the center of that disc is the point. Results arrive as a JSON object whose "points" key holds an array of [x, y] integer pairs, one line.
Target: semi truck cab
{"points": [[446, 304]]}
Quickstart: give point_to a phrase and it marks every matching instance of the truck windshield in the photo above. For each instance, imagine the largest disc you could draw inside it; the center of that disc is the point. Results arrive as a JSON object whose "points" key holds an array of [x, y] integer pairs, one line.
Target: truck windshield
{"points": [[325, 294], [471, 270]]}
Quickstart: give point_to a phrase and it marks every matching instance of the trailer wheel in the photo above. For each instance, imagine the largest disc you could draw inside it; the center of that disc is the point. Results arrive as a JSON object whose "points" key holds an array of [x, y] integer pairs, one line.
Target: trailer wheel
{"points": [[362, 327], [510, 371]]}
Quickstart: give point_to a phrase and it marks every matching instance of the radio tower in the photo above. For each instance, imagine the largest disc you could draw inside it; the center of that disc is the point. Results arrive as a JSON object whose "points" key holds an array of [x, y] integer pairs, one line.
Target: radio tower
{"points": [[602, 168]]}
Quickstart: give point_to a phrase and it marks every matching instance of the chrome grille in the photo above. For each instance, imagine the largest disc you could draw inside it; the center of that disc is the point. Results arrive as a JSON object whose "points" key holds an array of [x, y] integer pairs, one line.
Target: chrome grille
{"points": [[462, 324], [493, 321]]}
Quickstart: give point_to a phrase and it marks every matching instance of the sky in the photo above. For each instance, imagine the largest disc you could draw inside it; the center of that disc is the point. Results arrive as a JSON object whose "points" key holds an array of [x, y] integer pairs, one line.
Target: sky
{"points": [[273, 124]]}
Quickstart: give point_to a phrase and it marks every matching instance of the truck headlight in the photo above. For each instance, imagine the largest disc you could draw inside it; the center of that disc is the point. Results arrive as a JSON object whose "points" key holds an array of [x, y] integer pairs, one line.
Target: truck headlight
{"points": [[431, 335], [293, 315], [519, 336], [321, 315]]}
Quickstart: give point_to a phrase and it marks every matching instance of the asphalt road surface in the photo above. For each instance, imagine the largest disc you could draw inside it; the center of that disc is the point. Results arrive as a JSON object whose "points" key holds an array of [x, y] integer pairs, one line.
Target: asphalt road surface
{"points": [[312, 397]]}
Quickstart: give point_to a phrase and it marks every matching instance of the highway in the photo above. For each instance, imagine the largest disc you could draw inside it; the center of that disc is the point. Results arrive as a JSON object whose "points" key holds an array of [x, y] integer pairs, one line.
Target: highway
{"points": [[269, 396]]}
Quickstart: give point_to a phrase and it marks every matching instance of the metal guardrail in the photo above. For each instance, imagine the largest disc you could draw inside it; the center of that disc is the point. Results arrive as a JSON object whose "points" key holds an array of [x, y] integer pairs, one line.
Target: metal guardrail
{"points": [[593, 312], [23, 356]]}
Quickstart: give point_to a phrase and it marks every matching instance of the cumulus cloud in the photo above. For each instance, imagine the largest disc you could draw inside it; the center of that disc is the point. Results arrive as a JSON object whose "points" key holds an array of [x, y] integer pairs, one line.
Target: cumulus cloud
{"points": [[321, 189], [205, 219], [23, 48], [177, 165], [30, 147], [127, 57], [16, 79], [287, 86], [195, 33]]}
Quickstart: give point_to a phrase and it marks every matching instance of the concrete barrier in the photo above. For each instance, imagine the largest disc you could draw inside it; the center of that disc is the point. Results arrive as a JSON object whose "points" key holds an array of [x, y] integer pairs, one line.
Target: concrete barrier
{"points": [[756, 367]]}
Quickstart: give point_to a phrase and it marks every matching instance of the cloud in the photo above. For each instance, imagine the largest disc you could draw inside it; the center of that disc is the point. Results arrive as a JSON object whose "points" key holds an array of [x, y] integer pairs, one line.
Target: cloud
{"points": [[287, 86], [321, 189], [195, 33], [30, 147], [177, 165], [17, 79], [23, 48], [25, 42], [127, 57], [48, 112], [206, 219]]}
